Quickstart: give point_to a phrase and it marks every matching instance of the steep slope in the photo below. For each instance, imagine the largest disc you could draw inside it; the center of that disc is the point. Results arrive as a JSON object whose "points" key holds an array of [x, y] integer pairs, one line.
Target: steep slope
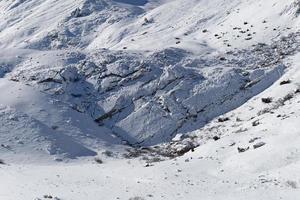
{"points": [[145, 70], [140, 26], [149, 99], [250, 160]]}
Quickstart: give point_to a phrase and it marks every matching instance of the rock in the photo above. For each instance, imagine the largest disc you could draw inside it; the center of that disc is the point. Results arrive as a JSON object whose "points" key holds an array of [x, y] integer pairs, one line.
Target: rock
{"points": [[46, 196], [224, 119], [70, 74], [255, 123], [146, 20], [136, 198], [57, 159], [98, 160], [216, 138], [148, 165], [287, 97], [2, 162], [267, 100], [54, 127], [258, 145], [20, 142], [232, 144], [285, 82], [241, 150], [254, 139], [5, 146]]}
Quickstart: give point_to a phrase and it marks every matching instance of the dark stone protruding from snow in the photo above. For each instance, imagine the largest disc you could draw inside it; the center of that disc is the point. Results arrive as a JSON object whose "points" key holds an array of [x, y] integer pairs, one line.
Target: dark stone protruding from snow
{"points": [[285, 82], [258, 145], [216, 138], [267, 100], [241, 150], [224, 119]]}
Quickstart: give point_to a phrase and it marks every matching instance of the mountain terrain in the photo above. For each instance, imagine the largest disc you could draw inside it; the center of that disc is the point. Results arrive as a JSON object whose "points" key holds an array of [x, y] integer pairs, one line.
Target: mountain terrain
{"points": [[149, 99]]}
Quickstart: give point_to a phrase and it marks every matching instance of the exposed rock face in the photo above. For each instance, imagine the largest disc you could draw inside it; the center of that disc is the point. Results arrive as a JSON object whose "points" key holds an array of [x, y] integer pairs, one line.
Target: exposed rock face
{"points": [[148, 99]]}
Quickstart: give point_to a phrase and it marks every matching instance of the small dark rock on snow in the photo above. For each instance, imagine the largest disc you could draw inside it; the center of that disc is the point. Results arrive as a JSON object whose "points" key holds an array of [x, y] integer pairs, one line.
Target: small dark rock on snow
{"points": [[267, 100], [285, 82], [2, 162], [223, 119], [255, 123], [216, 138], [241, 150], [46, 196], [258, 145], [98, 160]]}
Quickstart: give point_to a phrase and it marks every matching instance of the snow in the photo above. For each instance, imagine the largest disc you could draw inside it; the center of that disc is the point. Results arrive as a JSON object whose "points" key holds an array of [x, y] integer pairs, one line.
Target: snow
{"points": [[38, 122], [168, 94]]}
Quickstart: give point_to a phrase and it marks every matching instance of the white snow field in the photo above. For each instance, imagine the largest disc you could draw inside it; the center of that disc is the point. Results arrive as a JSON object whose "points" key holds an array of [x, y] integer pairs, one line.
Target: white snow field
{"points": [[149, 99]]}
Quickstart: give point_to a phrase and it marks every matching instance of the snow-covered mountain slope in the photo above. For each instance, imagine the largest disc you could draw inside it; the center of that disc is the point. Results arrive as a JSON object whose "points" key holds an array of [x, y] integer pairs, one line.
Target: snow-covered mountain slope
{"points": [[90, 55], [256, 157], [213, 81], [143, 25]]}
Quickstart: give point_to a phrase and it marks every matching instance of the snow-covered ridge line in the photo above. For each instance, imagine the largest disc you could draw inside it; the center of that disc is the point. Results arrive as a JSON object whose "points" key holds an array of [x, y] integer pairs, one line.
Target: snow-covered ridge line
{"points": [[155, 25]]}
